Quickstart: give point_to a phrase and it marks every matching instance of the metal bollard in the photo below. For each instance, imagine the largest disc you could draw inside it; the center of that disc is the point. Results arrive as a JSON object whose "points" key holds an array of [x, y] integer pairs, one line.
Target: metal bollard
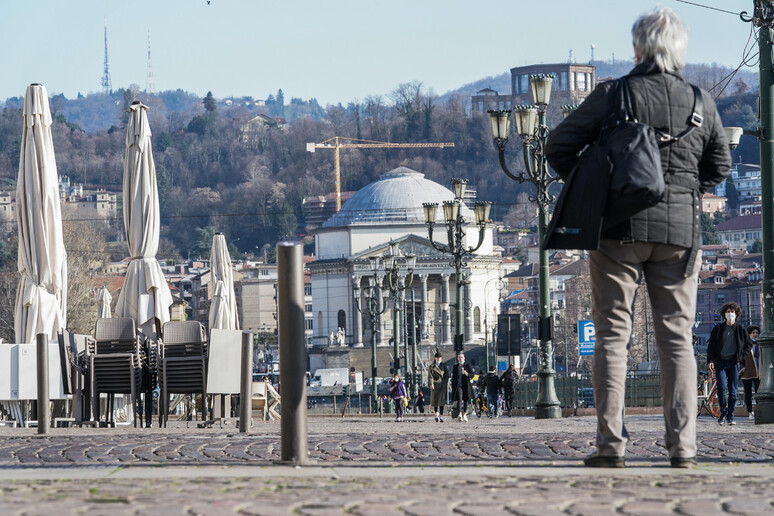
{"points": [[290, 307], [246, 383], [44, 411]]}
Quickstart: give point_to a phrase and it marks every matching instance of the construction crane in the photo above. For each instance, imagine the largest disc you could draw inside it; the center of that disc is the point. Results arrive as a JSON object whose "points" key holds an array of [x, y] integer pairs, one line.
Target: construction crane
{"points": [[336, 144]]}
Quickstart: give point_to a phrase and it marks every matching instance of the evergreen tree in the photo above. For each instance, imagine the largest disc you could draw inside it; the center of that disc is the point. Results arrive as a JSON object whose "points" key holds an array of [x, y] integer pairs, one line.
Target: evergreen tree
{"points": [[732, 195], [209, 103], [709, 233]]}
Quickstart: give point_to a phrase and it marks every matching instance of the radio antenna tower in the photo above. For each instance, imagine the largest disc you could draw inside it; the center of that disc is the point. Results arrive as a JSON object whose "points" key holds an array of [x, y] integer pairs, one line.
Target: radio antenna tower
{"points": [[107, 85], [149, 85]]}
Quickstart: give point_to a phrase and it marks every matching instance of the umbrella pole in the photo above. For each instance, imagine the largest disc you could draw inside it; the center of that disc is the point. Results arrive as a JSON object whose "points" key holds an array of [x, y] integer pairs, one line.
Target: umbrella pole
{"points": [[44, 410]]}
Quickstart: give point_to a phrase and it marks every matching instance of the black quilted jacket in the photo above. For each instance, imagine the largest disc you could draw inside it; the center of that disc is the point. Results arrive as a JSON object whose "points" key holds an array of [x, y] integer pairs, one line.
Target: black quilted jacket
{"points": [[665, 101]]}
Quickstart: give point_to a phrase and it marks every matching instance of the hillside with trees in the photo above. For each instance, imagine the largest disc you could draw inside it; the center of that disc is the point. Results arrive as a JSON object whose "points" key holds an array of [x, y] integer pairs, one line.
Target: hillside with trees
{"points": [[221, 168]]}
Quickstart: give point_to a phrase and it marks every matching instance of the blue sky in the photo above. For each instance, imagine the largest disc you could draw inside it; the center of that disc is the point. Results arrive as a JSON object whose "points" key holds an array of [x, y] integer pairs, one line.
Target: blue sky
{"points": [[335, 50]]}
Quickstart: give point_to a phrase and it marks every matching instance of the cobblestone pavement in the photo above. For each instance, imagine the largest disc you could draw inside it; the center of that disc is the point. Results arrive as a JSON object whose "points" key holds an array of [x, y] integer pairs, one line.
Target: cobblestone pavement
{"points": [[368, 466]]}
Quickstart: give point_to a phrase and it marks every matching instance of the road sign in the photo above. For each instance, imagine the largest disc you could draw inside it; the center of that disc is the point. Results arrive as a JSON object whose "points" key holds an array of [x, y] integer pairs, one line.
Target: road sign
{"points": [[587, 337]]}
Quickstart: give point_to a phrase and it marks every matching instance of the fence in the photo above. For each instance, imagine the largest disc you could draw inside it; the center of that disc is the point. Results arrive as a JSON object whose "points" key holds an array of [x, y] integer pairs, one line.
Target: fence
{"points": [[641, 391]]}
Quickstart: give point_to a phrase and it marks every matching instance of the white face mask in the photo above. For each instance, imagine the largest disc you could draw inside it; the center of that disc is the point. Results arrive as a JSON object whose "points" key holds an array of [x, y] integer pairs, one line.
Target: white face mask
{"points": [[731, 318], [438, 361]]}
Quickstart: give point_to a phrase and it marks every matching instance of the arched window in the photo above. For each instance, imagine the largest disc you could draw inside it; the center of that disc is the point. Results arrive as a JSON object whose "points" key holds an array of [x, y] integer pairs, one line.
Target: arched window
{"points": [[319, 323], [477, 320], [342, 320]]}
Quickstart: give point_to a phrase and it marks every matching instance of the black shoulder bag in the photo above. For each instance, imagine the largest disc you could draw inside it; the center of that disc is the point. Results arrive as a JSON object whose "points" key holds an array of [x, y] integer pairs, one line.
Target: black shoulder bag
{"points": [[623, 166]]}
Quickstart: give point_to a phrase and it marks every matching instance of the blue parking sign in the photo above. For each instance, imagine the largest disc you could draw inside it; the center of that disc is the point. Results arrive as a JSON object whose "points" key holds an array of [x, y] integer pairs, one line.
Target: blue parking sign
{"points": [[587, 337]]}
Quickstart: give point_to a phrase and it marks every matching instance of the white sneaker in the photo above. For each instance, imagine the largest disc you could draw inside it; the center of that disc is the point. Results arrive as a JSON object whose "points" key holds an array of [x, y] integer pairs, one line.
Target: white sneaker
{"points": [[465, 418], [751, 416]]}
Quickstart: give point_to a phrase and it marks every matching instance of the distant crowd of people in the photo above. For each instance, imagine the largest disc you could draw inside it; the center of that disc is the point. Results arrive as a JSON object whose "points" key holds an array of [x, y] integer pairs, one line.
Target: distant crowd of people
{"points": [[489, 390]]}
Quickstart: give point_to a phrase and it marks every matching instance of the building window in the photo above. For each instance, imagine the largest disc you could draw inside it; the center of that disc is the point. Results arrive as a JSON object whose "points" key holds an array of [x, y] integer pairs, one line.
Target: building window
{"points": [[721, 298], [477, 320], [319, 321], [309, 324], [481, 105], [342, 319], [308, 290], [524, 87], [308, 308], [581, 82], [563, 81]]}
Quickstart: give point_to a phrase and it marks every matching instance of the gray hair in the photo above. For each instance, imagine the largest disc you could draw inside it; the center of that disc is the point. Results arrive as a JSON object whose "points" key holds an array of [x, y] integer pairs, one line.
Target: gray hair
{"points": [[661, 37]]}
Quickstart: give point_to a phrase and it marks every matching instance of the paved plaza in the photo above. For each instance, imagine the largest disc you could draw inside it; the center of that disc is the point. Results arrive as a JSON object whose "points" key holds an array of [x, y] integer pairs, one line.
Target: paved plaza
{"points": [[369, 466]]}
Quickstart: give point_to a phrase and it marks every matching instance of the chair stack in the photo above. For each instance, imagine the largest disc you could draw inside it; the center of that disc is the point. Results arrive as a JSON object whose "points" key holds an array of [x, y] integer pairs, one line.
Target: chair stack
{"points": [[182, 364], [115, 364]]}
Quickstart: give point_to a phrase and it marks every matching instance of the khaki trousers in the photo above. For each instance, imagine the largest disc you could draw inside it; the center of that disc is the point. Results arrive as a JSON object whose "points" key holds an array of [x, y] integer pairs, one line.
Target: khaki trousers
{"points": [[616, 269]]}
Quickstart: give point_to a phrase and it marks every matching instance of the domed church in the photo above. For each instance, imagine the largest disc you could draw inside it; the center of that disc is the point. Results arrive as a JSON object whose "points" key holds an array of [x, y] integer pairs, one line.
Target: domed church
{"points": [[390, 210]]}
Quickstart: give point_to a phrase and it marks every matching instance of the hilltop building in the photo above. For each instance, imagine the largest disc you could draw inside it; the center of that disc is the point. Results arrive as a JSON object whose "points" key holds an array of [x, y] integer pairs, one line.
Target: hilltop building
{"points": [[573, 82]]}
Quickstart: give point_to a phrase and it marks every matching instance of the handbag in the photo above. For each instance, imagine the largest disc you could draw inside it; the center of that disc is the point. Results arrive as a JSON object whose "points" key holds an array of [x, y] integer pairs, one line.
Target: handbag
{"points": [[636, 176], [622, 166]]}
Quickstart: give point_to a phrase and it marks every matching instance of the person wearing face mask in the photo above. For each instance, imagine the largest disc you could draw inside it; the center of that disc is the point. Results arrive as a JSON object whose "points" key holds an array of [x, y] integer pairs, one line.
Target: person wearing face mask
{"points": [[438, 378], [749, 371], [728, 344]]}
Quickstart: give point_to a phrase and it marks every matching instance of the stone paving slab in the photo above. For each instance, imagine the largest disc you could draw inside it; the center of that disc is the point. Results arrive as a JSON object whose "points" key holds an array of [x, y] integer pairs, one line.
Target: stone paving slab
{"points": [[366, 466]]}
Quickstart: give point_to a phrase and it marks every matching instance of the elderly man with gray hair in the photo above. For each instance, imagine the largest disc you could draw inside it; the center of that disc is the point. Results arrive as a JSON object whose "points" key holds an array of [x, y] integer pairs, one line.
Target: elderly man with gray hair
{"points": [[660, 244]]}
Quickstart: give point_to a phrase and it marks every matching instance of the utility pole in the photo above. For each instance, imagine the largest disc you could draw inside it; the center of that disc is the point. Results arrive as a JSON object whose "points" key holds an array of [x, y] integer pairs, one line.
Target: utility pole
{"points": [[763, 17]]}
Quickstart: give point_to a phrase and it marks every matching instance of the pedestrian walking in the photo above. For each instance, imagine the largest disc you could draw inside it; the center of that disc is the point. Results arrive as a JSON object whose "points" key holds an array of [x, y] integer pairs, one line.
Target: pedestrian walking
{"points": [[493, 388], [661, 244], [462, 390], [728, 344], [398, 395], [508, 380], [438, 380], [749, 373], [419, 402]]}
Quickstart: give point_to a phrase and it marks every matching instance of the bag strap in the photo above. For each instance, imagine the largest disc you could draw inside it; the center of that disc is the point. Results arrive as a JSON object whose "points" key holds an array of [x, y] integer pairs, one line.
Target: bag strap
{"points": [[696, 119]]}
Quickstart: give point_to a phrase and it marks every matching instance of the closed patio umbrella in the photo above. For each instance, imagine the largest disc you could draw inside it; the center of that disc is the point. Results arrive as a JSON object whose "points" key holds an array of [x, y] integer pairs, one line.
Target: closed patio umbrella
{"points": [[41, 299], [145, 296], [223, 309], [103, 303]]}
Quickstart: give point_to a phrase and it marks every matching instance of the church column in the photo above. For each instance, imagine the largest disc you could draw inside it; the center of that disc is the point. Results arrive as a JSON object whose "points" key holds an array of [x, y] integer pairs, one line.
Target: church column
{"points": [[467, 309], [423, 303], [357, 318], [445, 316]]}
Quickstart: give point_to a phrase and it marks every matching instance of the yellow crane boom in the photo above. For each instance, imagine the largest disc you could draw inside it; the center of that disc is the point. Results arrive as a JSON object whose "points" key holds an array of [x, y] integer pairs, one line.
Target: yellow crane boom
{"points": [[337, 143]]}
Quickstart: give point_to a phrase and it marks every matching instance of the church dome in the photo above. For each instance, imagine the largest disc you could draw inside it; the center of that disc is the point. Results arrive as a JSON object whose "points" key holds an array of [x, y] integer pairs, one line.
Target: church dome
{"points": [[396, 198]]}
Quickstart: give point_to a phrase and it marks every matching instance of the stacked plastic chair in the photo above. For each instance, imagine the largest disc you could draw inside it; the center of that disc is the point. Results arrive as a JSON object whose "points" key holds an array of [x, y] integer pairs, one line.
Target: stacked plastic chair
{"points": [[182, 364], [115, 364]]}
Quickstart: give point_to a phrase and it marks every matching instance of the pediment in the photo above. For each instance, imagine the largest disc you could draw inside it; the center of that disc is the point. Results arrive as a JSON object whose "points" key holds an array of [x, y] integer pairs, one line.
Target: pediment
{"points": [[409, 244]]}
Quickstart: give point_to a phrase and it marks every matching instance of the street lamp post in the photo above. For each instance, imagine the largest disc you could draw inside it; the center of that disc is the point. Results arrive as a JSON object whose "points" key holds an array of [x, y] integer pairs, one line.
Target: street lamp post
{"points": [[373, 300], [500, 284], [531, 127], [397, 283], [455, 234]]}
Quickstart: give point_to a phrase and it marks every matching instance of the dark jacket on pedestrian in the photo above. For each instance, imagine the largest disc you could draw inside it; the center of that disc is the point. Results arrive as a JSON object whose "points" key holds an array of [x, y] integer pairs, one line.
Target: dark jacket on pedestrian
{"points": [[493, 384], [508, 380], [743, 342], [460, 380], [691, 165], [438, 376]]}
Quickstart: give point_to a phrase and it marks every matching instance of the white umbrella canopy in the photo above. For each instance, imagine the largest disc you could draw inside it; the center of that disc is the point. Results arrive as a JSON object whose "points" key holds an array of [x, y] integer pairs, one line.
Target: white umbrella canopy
{"points": [[223, 308], [103, 303], [145, 296], [41, 299]]}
